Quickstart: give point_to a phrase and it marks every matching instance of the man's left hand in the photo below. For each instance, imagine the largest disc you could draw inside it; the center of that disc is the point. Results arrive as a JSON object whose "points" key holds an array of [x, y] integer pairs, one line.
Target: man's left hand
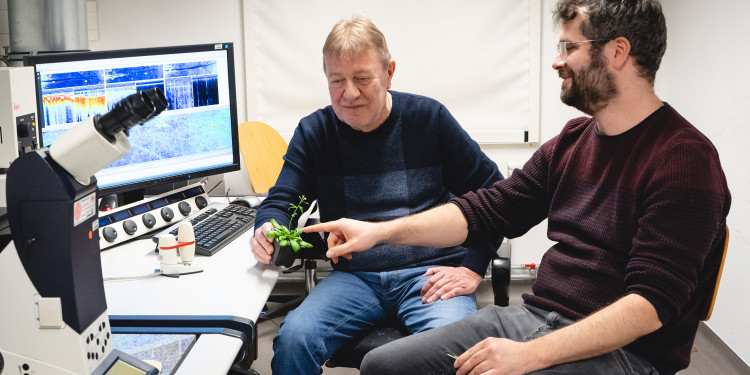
{"points": [[496, 356], [449, 282]]}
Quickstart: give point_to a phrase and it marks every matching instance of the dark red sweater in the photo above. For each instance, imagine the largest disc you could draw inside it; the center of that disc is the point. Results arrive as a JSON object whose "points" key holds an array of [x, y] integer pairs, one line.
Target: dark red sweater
{"points": [[642, 212]]}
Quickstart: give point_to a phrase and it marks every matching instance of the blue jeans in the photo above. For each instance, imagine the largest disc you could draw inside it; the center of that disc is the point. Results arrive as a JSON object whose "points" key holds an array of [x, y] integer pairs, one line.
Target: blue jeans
{"points": [[426, 353], [346, 304]]}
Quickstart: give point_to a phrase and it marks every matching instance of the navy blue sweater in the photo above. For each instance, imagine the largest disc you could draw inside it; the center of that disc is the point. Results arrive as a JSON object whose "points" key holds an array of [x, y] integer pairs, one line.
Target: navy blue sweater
{"points": [[418, 158]]}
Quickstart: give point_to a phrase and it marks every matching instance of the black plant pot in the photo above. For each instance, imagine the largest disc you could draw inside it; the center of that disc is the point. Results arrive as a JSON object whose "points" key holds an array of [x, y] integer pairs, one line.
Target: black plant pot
{"points": [[282, 255]]}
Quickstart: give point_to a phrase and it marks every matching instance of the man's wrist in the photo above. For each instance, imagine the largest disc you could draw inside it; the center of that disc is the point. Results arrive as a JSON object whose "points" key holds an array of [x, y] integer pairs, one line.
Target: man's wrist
{"points": [[469, 272], [386, 231], [535, 355]]}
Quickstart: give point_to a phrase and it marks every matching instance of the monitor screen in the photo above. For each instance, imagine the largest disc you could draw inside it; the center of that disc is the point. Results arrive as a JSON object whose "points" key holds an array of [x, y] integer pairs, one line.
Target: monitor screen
{"points": [[195, 136]]}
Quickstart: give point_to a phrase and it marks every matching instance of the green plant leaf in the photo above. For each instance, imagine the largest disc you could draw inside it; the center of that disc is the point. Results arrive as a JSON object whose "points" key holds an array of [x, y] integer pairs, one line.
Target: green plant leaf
{"points": [[290, 237], [271, 234], [275, 224]]}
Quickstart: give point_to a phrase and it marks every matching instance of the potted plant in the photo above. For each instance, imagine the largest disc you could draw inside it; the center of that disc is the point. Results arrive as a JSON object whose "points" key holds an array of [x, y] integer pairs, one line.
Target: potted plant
{"points": [[287, 241]]}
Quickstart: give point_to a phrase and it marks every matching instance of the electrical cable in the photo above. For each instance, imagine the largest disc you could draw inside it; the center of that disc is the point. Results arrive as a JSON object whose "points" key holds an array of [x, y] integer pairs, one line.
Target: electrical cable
{"points": [[215, 186], [116, 278]]}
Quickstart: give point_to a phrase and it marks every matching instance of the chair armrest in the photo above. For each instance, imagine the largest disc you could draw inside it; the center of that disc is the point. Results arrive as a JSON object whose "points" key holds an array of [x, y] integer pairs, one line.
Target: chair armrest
{"points": [[501, 280], [318, 251]]}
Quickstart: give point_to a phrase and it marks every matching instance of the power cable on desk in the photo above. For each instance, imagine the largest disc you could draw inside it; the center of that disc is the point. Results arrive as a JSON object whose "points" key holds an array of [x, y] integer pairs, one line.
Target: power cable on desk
{"points": [[120, 278], [215, 186]]}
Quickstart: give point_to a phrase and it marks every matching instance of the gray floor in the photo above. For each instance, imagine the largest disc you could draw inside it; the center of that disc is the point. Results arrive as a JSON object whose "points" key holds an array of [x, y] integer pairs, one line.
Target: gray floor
{"points": [[710, 355]]}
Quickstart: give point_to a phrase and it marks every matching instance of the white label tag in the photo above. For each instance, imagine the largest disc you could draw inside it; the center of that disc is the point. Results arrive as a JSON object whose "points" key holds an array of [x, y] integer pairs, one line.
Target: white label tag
{"points": [[84, 209]]}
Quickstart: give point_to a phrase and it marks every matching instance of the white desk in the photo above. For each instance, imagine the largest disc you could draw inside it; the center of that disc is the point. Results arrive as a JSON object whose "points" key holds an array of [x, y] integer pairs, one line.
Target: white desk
{"points": [[232, 284]]}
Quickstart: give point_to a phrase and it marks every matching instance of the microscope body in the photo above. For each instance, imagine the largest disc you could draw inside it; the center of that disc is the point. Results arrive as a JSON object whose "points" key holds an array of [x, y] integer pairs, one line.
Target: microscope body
{"points": [[56, 304], [54, 308]]}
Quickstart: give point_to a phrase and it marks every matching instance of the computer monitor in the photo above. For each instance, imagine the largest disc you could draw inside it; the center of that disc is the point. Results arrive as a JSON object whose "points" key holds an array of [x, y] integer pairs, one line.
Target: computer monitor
{"points": [[195, 136]]}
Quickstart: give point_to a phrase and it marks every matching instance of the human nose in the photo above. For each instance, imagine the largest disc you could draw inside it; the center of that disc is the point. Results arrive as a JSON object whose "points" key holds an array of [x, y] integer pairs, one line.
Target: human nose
{"points": [[351, 91], [558, 62]]}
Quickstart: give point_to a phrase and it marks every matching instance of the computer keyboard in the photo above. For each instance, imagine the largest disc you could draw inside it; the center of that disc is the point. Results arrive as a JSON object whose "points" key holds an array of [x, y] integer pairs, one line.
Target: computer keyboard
{"points": [[216, 225]]}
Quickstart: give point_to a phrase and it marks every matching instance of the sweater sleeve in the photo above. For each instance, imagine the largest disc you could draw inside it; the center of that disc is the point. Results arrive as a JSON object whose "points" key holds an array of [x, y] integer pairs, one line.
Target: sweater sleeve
{"points": [[512, 206], [466, 168], [295, 179]]}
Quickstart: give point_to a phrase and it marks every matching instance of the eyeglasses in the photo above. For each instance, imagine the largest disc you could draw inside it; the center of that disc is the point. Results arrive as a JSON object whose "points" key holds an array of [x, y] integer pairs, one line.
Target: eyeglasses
{"points": [[562, 47]]}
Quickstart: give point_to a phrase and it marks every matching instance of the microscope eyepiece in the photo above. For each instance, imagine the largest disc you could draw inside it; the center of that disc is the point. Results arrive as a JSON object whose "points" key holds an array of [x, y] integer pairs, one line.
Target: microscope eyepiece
{"points": [[158, 101], [135, 109]]}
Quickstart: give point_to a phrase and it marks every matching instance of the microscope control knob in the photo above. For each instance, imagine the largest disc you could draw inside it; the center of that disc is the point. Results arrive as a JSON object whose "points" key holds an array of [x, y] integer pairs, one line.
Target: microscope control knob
{"points": [[149, 220], [201, 202], [167, 214], [129, 226], [184, 208], [110, 234]]}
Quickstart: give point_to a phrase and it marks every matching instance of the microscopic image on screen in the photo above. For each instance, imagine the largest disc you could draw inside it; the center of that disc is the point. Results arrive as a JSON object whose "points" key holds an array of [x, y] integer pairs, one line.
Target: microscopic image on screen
{"points": [[191, 84], [72, 97], [171, 136], [122, 82]]}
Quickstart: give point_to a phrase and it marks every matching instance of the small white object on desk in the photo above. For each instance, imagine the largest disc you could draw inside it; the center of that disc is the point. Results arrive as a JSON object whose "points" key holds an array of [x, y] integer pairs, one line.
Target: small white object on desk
{"points": [[168, 246], [186, 237], [167, 250]]}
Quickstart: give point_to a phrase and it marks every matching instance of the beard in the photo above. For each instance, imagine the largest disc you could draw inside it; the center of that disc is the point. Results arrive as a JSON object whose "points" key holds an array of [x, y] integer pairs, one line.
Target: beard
{"points": [[591, 88]]}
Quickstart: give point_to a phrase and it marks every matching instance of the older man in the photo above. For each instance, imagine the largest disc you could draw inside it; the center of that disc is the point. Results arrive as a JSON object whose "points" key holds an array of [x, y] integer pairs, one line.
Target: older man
{"points": [[375, 154], [637, 204]]}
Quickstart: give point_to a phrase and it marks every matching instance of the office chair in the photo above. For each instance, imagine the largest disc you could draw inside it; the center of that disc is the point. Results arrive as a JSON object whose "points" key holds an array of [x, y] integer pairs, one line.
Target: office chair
{"points": [[708, 304], [262, 150]]}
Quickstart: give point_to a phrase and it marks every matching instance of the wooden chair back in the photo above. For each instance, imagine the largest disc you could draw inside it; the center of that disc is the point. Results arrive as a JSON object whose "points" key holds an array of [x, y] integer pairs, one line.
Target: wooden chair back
{"points": [[262, 150], [708, 307]]}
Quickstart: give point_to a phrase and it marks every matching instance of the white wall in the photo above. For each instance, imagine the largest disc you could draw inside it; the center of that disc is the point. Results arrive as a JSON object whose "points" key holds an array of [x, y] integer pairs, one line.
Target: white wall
{"points": [[704, 75]]}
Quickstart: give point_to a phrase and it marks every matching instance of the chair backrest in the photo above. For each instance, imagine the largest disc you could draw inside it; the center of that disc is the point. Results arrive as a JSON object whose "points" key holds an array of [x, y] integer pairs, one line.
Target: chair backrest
{"points": [[262, 150], [708, 306]]}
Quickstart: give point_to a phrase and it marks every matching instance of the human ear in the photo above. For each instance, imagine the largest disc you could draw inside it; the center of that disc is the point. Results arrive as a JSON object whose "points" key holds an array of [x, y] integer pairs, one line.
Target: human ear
{"points": [[391, 70], [621, 51]]}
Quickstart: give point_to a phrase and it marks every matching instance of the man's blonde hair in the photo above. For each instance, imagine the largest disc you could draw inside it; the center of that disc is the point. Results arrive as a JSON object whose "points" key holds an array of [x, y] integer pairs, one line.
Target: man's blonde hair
{"points": [[355, 36]]}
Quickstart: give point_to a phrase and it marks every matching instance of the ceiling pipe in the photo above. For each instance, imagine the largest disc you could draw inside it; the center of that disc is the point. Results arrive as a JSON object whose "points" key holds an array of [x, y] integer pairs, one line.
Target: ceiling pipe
{"points": [[38, 26]]}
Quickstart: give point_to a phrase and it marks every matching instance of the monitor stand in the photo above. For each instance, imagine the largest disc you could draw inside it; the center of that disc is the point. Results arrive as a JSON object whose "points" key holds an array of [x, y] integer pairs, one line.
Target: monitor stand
{"points": [[164, 188]]}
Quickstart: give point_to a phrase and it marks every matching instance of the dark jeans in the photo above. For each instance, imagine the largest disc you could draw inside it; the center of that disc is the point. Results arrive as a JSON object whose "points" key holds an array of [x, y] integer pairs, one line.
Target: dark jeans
{"points": [[426, 352]]}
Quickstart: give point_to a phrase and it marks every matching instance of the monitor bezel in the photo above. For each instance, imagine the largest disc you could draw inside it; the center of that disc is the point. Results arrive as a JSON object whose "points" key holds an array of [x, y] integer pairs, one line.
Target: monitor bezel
{"points": [[34, 60]]}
